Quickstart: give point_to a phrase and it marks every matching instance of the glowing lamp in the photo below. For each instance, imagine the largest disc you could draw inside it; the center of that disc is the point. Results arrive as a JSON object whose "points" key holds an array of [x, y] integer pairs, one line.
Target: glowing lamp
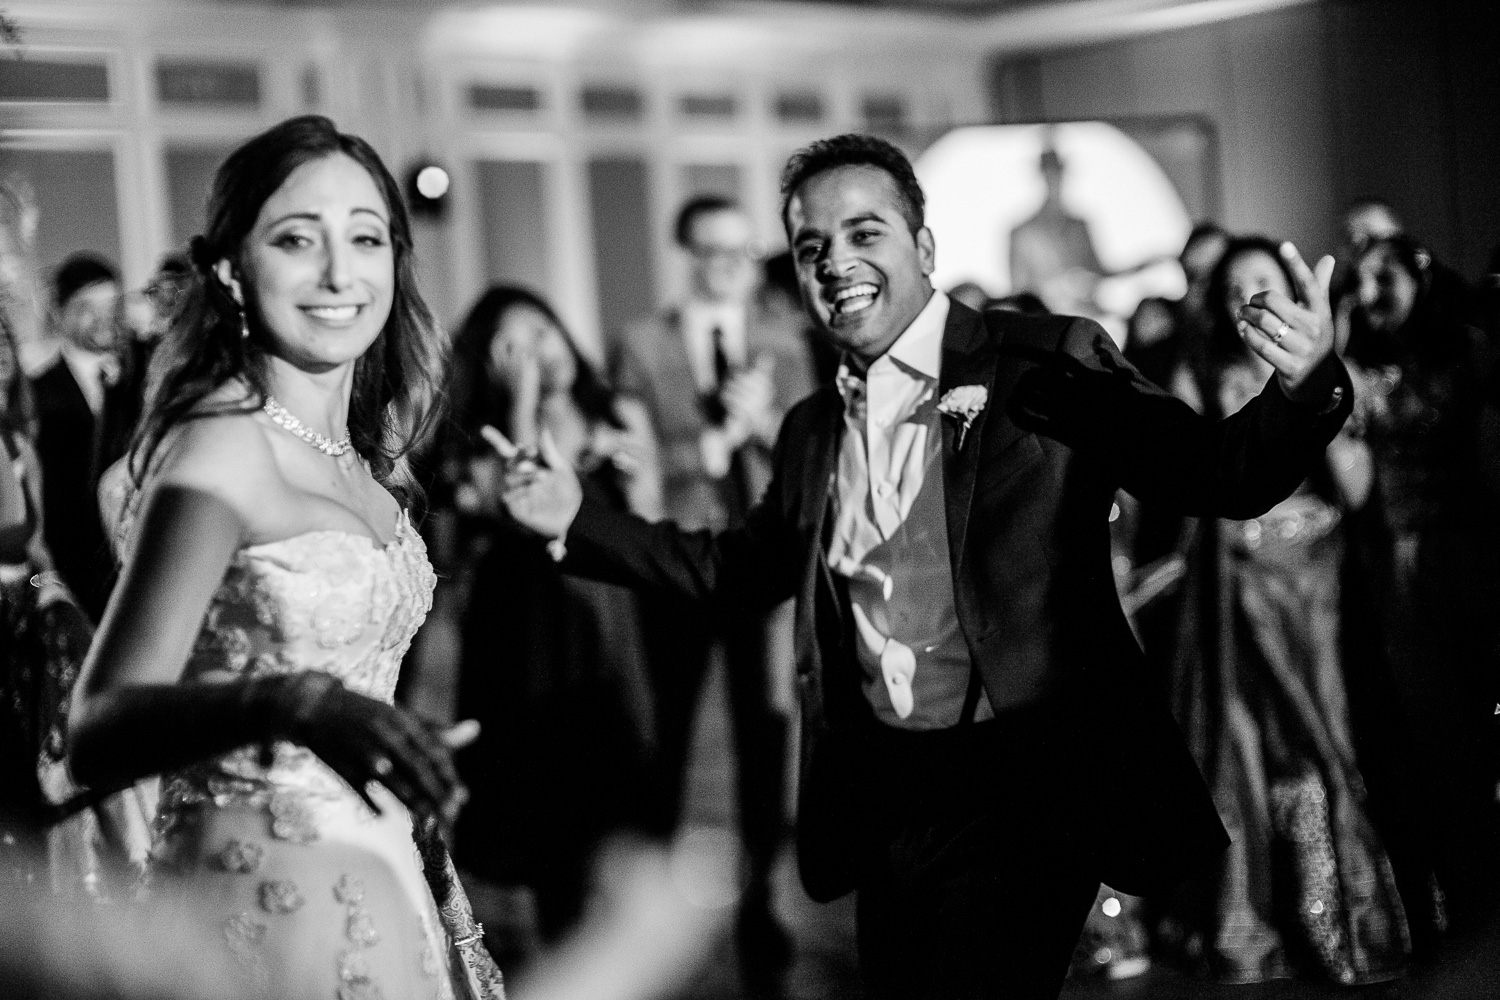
{"points": [[427, 189]]}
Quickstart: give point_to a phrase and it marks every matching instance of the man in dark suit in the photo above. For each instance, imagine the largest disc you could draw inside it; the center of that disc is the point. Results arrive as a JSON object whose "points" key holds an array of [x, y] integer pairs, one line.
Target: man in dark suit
{"points": [[981, 742], [83, 415], [717, 372]]}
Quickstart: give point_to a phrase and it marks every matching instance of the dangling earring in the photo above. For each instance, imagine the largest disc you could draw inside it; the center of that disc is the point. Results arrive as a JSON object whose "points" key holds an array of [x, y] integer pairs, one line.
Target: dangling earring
{"points": [[244, 325]]}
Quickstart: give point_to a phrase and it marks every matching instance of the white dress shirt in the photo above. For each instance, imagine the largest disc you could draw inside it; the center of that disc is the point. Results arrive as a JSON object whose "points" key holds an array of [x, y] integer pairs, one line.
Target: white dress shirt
{"points": [[891, 438], [894, 448], [93, 371]]}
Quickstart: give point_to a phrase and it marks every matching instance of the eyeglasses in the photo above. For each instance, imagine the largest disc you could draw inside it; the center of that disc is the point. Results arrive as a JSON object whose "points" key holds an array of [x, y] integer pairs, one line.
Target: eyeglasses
{"points": [[166, 291]]}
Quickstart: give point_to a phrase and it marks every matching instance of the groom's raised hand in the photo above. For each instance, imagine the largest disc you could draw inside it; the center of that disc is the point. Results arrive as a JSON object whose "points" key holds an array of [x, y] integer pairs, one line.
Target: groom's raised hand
{"points": [[1295, 337], [541, 491]]}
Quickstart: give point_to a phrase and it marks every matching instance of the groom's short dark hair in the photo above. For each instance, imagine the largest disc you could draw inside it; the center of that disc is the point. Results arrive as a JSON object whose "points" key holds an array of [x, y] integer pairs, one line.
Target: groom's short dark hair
{"points": [[851, 150]]}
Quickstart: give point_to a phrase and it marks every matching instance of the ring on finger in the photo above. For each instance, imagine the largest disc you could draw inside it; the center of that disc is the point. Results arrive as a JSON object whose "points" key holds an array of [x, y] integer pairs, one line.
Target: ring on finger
{"points": [[382, 765], [1281, 331]]}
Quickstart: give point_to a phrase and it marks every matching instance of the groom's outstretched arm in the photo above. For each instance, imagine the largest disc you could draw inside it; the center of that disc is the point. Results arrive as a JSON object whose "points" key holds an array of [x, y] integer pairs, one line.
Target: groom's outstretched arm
{"points": [[755, 566], [1089, 397]]}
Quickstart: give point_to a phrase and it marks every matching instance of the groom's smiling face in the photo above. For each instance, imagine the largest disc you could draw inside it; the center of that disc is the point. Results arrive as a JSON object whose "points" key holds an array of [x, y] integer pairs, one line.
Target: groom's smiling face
{"points": [[863, 272]]}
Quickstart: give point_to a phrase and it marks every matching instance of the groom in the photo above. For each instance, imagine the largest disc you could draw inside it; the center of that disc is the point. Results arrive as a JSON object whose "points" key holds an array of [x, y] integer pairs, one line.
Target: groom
{"points": [[981, 742]]}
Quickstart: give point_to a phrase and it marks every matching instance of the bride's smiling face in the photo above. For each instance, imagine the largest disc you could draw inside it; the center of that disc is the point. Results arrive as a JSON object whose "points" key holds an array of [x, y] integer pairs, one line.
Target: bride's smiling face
{"points": [[318, 267]]}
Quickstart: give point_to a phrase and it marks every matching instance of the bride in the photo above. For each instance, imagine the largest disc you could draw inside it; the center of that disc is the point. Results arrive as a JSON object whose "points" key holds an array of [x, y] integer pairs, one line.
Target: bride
{"points": [[272, 582]]}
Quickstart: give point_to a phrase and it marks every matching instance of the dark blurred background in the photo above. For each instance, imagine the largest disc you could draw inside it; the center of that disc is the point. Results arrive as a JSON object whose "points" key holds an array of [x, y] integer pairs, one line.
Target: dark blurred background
{"points": [[571, 131]]}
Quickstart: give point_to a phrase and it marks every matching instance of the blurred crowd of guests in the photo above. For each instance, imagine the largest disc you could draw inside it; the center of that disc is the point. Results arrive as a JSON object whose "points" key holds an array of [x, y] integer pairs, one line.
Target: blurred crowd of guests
{"points": [[73, 352], [678, 422], [1333, 662]]}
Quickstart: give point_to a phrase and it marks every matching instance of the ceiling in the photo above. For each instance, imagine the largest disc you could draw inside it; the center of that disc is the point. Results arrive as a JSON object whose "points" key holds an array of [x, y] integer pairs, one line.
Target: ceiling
{"points": [[1000, 25], [980, 7]]}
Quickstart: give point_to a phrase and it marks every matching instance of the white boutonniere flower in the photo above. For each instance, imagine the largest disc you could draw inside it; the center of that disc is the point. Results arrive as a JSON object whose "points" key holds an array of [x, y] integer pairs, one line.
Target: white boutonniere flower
{"points": [[964, 403]]}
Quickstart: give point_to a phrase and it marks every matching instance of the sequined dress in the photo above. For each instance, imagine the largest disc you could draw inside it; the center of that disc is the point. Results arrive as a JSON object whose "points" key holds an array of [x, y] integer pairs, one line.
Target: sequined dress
{"points": [[1258, 686], [314, 894]]}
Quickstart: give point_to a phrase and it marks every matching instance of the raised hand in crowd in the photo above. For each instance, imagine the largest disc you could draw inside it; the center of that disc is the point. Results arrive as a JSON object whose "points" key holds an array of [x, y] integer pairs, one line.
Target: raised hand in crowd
{"points": [[1295, 337]]}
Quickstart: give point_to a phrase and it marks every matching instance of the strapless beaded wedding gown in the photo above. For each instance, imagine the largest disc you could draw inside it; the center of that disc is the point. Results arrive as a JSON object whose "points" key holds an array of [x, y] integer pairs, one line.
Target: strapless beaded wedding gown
{"points": [[314, 895]]}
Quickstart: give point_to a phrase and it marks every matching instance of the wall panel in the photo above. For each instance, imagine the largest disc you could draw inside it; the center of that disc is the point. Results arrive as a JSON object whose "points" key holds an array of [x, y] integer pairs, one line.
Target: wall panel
{"points": [[514, 229]]}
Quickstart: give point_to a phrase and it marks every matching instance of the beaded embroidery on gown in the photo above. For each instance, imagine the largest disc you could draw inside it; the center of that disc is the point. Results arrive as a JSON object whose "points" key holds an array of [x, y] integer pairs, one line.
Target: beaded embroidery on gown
{"points": [[314, 895]]}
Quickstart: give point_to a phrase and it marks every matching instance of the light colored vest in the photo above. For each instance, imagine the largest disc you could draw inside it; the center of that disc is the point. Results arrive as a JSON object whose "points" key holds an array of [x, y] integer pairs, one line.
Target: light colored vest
{"points": [[919, 611]]}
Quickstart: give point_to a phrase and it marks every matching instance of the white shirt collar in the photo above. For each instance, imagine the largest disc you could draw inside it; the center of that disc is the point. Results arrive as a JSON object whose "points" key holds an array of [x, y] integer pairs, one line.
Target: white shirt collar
{"points": [[920, 346], [710, 313], [90, 366]]}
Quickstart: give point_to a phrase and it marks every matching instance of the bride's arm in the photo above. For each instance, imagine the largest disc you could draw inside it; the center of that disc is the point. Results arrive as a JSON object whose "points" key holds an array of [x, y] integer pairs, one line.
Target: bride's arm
{"points": [[133, 715]]}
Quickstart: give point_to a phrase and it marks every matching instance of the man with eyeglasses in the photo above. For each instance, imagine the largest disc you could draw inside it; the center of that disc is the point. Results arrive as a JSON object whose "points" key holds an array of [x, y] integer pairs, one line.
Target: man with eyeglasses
{"points": [[717, 372]]}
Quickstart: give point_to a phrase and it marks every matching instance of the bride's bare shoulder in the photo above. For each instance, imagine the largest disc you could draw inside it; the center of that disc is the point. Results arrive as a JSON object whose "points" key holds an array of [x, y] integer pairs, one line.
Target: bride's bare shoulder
{"points": [[221, 448]]}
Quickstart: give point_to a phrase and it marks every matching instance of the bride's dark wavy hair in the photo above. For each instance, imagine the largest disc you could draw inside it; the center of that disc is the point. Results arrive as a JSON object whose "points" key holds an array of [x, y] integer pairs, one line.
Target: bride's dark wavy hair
{"points": [[397, 392]]}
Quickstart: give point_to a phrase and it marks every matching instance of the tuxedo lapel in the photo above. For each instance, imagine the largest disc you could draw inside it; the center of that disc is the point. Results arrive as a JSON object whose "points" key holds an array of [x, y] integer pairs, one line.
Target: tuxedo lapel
{"points": [[821, 468], [969, 357], [821, 618]]}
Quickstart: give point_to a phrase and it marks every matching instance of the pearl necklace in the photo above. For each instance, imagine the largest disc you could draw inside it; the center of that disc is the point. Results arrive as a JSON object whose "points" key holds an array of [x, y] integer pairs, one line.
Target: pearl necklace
{"points": [[282, 418]]}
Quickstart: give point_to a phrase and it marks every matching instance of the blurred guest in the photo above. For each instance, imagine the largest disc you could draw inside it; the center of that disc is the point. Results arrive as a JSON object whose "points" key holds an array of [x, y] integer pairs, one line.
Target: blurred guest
{"points": [[552, 666], [147, 313], [1149, 343], [1192, 319], [1428, 556], [1200, 255], [1258, 687], [1366, 220], [28, 693], [145, 316], [272, 582], [24, 292], [1024, 303], [83, 412], [970, 294], [1052, 252], [716, 373], [43, 637]]}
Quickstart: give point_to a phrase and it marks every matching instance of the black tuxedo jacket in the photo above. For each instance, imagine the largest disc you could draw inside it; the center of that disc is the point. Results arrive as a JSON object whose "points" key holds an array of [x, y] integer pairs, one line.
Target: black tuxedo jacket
{"points": [[74, 448], [1028, 496]]}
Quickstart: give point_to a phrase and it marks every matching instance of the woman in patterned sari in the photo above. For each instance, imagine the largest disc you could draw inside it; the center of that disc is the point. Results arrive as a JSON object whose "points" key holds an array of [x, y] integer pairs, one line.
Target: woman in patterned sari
{"points": [[1258, 686]]}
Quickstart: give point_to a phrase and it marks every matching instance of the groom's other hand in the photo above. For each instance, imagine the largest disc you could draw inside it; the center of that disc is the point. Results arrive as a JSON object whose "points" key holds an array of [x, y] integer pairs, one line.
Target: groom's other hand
{"points": [[1296, 338], [541, 491]]}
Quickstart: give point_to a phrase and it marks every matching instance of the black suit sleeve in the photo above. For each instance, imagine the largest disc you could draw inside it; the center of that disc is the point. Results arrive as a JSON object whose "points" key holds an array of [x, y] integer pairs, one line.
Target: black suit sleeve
{"points": [[1087, 396], [752, 567]]}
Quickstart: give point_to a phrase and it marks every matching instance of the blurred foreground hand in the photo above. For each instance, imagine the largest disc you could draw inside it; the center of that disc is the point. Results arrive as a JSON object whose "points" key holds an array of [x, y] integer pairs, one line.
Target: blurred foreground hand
{"points": [[653, 922]]}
